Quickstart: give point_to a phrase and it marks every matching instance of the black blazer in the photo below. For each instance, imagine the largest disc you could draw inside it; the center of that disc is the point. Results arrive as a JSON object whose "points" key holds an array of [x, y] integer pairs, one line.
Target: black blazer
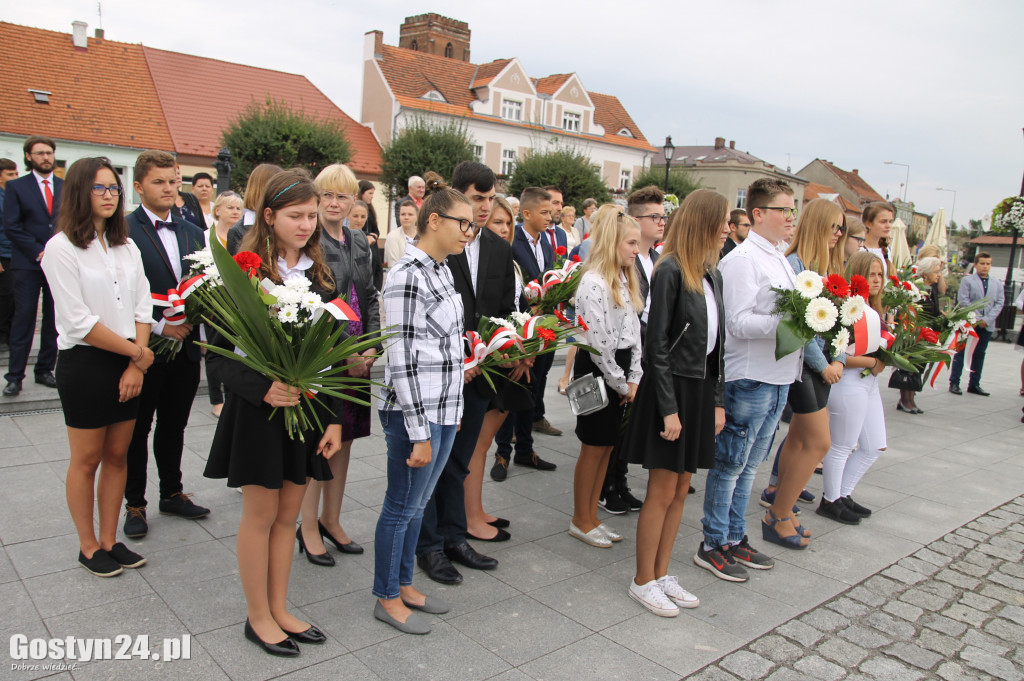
{"points": [[677, 334], [26, 221], [522, 252], [645, 287], [158, 268]]}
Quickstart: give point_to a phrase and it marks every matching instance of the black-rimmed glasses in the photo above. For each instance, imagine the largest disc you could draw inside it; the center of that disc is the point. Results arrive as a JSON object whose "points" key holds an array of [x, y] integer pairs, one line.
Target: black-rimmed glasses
{"points": [[100, 190], [464, 224], [655, 217], [839, 229]]}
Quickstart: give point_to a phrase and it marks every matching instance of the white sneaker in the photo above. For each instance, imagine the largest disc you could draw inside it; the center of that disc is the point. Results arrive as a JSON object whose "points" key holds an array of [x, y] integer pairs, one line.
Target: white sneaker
{"points": [[610, 533], [653, 598], [678, 595], [595, 537]]}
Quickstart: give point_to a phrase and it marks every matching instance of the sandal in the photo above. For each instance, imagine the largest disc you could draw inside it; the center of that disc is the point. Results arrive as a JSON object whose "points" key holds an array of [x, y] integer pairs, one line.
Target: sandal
{"points": [[770, 534]]}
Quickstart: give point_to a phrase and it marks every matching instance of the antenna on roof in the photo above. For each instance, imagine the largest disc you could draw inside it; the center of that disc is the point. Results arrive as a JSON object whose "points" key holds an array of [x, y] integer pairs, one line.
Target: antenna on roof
{"points": [[99, 10], [789, 168]]}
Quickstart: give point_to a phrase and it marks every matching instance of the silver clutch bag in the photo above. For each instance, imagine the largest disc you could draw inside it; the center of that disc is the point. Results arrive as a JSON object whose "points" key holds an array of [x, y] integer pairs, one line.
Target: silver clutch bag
{"points": [[587, 394]]}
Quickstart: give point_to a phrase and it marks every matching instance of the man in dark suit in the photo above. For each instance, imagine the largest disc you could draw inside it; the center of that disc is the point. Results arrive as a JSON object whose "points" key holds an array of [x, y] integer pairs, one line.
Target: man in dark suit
{"points": [[532, 251], [30, 211], [164, 240], [554, 232], [485, 278]]}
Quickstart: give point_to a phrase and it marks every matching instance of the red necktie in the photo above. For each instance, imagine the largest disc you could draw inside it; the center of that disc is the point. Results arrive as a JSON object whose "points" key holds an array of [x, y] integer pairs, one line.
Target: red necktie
{"points": [[554, 242], [49, 196]]}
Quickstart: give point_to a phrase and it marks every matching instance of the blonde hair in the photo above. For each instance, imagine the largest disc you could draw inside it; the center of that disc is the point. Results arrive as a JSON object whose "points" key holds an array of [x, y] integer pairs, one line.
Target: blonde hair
{"points": [[693, 234], [860, 263], [928, 251], [608, 231], [502, 204], [337, 178], [222, 199], [813, 233]]}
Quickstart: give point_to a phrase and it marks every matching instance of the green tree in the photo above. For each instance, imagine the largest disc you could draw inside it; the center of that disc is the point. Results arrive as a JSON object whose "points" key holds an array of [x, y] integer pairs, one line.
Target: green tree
{"points": [[425, 145], [566, 168], [273, 132], [680, 182]]}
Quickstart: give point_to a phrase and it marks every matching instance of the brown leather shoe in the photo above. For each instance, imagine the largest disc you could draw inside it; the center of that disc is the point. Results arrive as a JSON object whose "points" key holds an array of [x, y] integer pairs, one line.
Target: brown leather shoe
{"points": [[544, 427]]}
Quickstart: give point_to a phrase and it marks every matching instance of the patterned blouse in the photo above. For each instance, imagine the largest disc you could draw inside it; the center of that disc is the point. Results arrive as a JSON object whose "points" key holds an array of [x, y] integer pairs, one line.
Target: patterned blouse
{"points": [[610, 328]]}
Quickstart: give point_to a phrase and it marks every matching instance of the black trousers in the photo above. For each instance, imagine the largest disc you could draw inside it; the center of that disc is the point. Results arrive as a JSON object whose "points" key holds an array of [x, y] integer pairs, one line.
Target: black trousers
{"points": [[521, 422], [167, 393], [28, 284], [214, 383], [6, 300], [444, 518]]}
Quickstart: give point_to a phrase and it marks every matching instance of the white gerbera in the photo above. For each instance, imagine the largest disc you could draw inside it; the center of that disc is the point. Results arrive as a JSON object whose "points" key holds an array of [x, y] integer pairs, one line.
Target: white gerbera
{"points": [[288, 314], [808, 284], [852, 310], [841, 341], [821, 315]]}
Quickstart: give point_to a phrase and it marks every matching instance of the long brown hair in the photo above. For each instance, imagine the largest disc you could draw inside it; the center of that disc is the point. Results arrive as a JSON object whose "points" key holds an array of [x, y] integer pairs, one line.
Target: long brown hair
{"points": [[860, 263], [693, 233], [286, 188], [813, 233], [75, 216], [257, 183]]}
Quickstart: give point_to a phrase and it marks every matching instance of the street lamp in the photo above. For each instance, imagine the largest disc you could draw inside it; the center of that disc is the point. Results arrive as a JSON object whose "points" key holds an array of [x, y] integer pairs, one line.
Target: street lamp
{"points": [[952, 215], [906, 182], [669, 150]]}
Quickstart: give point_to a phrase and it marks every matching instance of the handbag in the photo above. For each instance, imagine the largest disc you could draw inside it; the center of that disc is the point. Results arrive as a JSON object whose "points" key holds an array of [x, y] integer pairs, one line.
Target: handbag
{"points": [[588, 394], [901, 379]]}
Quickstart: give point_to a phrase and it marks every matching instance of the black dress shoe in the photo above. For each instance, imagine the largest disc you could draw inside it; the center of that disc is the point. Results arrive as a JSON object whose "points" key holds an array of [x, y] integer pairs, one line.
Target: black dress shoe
{"points": [[499, 471], [437, 566], [135, 525], [179, 504], [503, 535], [955, 389], [350, 547], [500, 523], [464, 554], [325, 559], [976, 390], [46, 379], [534, 461], [13, 388], [311, 635], [285, 648]]}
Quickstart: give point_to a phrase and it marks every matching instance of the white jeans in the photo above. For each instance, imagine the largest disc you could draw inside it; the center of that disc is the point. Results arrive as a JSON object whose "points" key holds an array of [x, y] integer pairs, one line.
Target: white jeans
{"points": [[856, 419]]}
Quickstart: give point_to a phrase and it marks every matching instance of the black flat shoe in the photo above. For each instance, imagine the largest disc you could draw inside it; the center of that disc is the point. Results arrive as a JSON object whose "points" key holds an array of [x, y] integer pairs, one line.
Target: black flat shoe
{"points": [[350, 547], [907, 410], [857, 509], [325, 559], [503, 535], [285, 648], [500, 523], [311, 635]]}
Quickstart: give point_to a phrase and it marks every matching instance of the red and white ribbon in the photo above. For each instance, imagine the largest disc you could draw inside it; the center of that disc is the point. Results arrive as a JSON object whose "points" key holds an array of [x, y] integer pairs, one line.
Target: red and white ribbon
{"points": [[503, 339], [867, 334], [338, 309], [970, 339], [174, 299]]}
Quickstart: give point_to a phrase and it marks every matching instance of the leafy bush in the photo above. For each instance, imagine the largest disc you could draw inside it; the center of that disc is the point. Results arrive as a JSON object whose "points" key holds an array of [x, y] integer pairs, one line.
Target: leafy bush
{"points": [[680, 182], [568, 169], [425, 145]]}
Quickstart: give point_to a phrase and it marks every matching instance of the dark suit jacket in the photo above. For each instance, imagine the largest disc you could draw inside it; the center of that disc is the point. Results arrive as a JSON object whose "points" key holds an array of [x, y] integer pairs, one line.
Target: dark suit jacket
{"points": [[645, 287], [522, 251], [26, 221], [560, 238], [157, 266]]}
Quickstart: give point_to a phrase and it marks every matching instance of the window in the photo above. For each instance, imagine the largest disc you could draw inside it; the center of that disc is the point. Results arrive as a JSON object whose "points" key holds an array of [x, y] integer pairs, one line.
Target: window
{"points": [[571, 121], [434, 96], [414, 45], [625, 132], [624, 179], [478, 152], [741, 198], [449, 51], [511, 111], [508, 161]]}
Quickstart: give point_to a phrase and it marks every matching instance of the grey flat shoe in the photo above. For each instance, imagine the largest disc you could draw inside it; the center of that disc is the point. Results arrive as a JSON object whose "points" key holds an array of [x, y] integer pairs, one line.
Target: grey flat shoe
{"points": [[434, 606], [414, 625]]}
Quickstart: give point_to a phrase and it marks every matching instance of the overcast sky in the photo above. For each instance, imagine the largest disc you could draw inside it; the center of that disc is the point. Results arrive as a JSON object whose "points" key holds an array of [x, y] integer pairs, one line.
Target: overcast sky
{"points": [[933, 84]]}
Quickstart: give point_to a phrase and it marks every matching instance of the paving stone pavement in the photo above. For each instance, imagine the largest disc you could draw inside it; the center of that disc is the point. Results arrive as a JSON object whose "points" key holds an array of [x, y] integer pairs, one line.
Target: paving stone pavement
{"points": [[929, 587]]}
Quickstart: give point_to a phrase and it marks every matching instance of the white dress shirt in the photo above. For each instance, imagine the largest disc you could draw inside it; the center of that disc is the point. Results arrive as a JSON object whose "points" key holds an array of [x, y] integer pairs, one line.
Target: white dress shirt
{"points": [[42, 189], [749, 272], [647, 262], [92, 285], [712, 306], [170, 243], [473, 257]]}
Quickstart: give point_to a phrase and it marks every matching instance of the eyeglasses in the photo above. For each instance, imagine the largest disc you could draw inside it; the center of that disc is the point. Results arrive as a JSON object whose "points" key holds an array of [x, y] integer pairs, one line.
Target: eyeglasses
{"points": [[100, 190], [464, 224], [331, 196], [786, 212], [839, 229], [655, 217], [859, 238]]}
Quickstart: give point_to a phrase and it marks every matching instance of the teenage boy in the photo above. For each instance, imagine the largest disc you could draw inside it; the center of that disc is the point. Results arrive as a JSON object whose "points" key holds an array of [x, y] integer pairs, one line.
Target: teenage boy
{"points": [[163, 240], [485, 278], [647, 206], [534, 255], [974, 287], [756, 384]]}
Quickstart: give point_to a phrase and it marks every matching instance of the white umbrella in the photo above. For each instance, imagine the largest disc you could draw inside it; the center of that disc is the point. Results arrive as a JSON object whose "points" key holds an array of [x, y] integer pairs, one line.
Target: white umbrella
{"points": [[937, 232], [899, 251]]}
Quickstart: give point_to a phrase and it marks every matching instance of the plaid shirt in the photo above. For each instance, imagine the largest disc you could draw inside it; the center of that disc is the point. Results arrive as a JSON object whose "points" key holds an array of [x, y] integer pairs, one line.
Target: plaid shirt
{"points": [[424, 372]]}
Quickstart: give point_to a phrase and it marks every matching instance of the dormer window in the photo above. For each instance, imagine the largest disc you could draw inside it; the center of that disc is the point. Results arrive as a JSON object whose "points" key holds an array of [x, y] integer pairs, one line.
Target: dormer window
{"points": [[41, 96], [571, 121], [434, 96], [511, 110], [625, 132]]}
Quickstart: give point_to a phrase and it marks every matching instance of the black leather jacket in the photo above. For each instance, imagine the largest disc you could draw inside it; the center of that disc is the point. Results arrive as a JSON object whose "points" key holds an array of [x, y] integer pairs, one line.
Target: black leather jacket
{"points": [[677, 334]]}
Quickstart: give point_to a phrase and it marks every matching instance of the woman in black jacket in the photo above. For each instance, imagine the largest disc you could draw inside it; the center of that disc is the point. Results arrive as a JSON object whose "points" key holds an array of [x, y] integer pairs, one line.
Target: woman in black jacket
{"points": [[681, 398]]}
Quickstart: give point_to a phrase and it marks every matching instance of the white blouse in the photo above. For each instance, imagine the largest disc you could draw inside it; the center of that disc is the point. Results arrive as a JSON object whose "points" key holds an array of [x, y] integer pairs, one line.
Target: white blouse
{"points": [[92, 285], [610, 328]]}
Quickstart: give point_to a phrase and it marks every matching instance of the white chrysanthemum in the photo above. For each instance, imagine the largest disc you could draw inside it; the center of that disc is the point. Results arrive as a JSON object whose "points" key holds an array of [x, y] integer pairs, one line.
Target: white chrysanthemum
{"points": [[297, 283], [520, 318], [503, 323], [213, 273], [852, 310], [287, 296], [841, 341], [288, 313], [311, 302], [203, 257], [809, 284], [821, 315]]}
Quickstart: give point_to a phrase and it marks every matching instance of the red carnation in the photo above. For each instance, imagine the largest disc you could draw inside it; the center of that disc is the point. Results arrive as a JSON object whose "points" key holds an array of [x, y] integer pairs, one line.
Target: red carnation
{"points": [[859, 286], [928, 335], [576, 258], [906, 286], [248, 261], [561, 317], [560, 250], [894, 279], [582, 324], [546, 335], [837, 285]]}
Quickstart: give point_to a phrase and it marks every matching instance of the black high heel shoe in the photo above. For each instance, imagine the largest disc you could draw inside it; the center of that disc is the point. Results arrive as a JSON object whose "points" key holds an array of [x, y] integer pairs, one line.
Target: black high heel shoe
{"points": [[325, 559], [311, 635], [285, 648], [350, 547]]}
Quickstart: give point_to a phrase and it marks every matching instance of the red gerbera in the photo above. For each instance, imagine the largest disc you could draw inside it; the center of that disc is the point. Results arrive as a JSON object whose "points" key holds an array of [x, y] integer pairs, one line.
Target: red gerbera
{"points": [[546, 335], [576, 258], [560, 250], [837, 285], [859, 286], [582, 324], [561, 317], [928, 335], [248, 261]]}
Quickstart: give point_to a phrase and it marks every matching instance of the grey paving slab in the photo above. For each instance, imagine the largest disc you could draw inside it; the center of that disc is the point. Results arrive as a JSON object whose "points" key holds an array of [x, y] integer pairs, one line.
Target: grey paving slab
{"points": [[19, 456], [341, 668], [7, 571], [445, 653], [591, 599], [241, 659], [187, 565], [597, 657], [527, 567], [72, 590], [684, 644]]}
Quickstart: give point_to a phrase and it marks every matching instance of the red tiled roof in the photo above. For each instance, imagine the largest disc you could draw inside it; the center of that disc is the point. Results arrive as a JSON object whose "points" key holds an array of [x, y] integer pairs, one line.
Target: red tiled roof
{"points": [[996, 240], [85, 84], [610, 114], [814, 190], [485, 73], [549, 85], [198, 132], [855, 182]]}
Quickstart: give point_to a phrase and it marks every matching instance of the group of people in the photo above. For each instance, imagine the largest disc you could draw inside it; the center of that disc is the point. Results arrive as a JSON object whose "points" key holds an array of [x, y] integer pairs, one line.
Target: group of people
{"points": [[684, 340]]}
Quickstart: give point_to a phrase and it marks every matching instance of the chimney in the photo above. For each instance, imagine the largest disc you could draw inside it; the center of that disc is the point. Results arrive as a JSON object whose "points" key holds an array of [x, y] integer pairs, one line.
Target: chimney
{"points": [[78, 36], [719, 143], [99, 34], [856, 172], [732, 144]]}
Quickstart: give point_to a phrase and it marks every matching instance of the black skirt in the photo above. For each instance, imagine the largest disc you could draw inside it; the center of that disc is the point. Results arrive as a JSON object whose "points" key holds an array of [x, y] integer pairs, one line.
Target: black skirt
{"points": [[603, 428], [695, 448], [810, 393], [87, 382], [510, 395]]}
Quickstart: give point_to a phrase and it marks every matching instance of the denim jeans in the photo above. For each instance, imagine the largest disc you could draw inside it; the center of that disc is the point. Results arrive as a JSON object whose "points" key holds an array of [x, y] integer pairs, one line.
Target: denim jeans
{"points": [[752, 413], [409, 489]]}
